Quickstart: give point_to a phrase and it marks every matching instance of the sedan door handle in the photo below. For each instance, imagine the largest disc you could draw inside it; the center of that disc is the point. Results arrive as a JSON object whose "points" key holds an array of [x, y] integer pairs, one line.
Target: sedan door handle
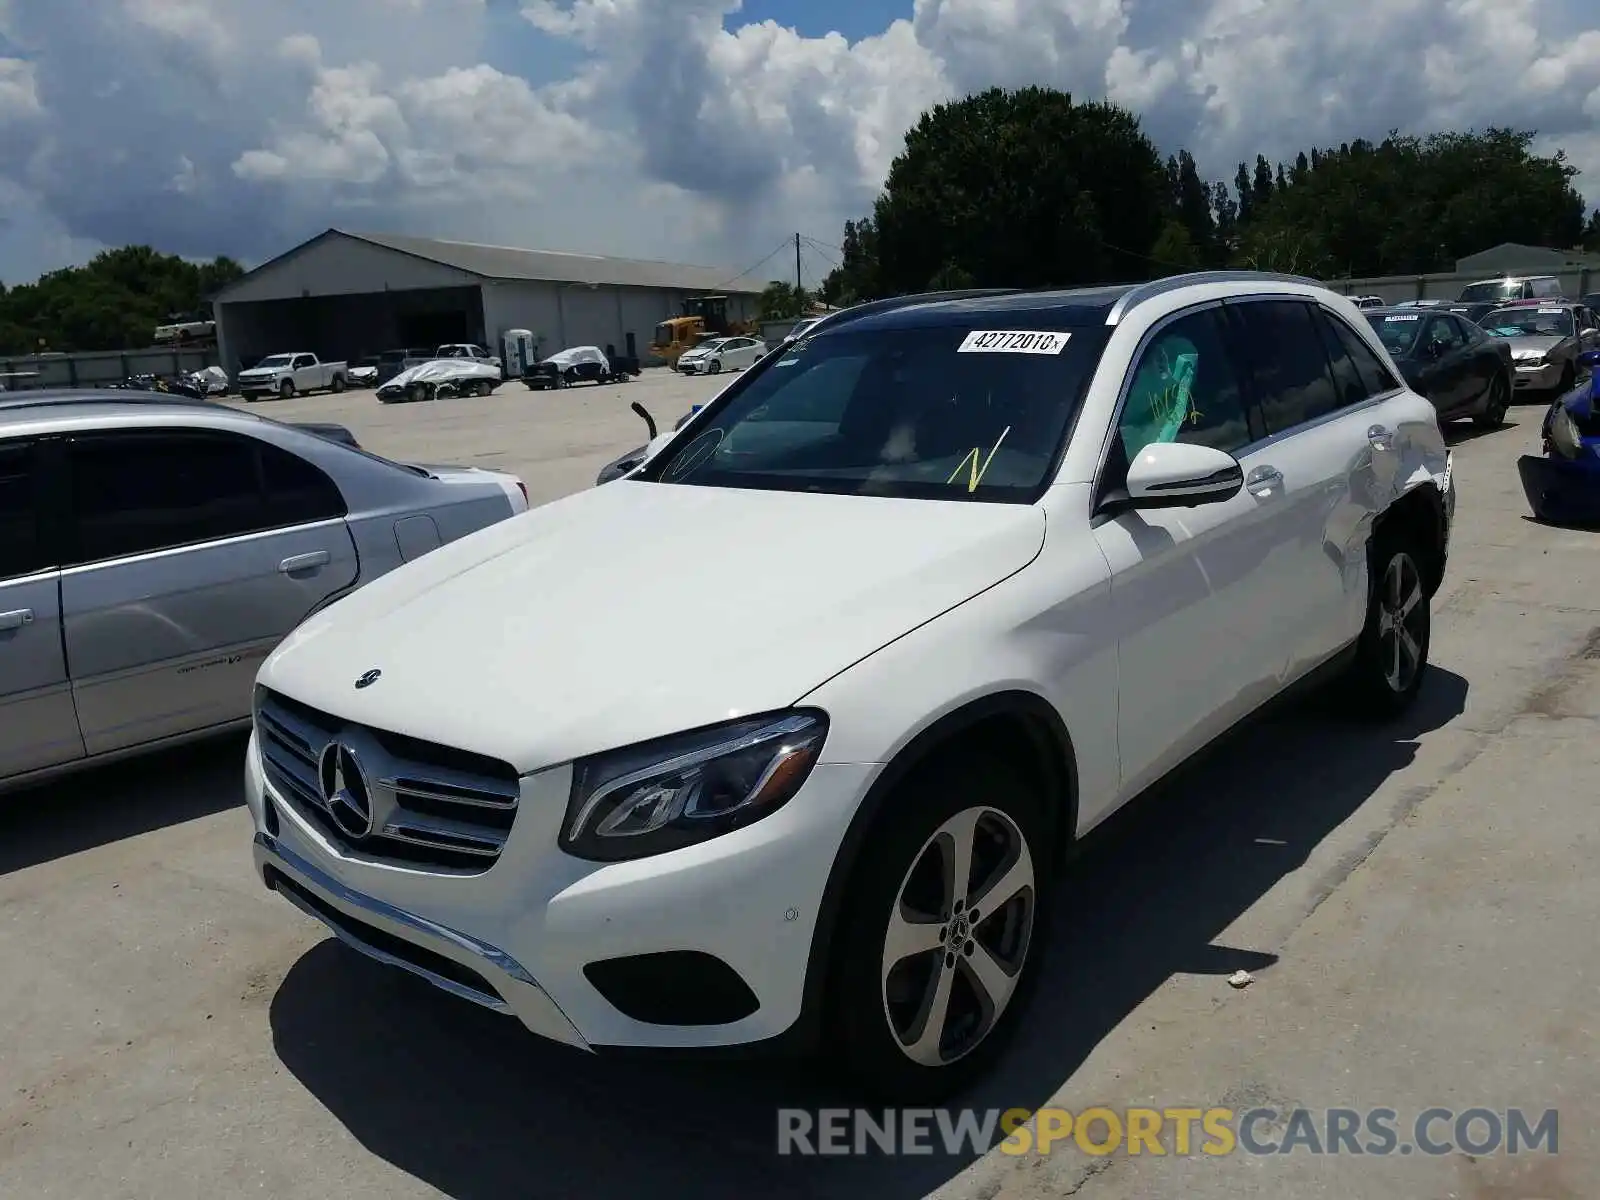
{"points": [[304, 562], [1380, 438], [16, 618], [1262, 480]]}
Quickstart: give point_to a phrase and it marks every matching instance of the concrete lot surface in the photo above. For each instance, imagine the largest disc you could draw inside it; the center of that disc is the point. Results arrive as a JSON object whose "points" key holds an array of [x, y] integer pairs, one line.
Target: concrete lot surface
{"points": [[556, 441], [1418, 906]]}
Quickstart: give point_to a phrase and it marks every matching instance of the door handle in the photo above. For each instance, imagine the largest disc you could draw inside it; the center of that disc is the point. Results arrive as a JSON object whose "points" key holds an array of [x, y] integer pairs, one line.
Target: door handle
{"points": [[1380, 438], [16, 618], [304, 562], [1262, 480]]}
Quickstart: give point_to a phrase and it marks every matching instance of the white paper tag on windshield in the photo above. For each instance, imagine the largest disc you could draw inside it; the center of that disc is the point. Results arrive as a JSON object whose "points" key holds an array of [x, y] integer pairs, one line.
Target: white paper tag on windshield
{"points": [[1551, 312], [1406, 317], [1013, 341]]}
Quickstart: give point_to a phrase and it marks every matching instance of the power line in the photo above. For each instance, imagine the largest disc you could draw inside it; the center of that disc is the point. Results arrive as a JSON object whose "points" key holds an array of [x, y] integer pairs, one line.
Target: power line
{"points": [[755, 266]]}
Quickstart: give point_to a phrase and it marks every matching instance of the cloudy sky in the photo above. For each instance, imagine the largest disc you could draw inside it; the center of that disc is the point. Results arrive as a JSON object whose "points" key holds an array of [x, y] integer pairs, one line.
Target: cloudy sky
{"points": [[690, 130]]}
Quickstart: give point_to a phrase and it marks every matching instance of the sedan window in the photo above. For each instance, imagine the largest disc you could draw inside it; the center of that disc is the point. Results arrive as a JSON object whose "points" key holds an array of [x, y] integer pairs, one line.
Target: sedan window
{"points": [[136, 493]]}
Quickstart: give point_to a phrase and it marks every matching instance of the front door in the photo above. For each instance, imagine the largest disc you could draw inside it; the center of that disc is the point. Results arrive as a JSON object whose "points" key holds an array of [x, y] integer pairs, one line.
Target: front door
{"points": [[38, 725], [195, 553], [1192, 587], [1445, 345]]}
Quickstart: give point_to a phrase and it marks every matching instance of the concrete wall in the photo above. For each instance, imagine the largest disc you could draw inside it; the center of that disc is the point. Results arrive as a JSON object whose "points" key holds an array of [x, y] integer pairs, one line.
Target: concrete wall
{"points": [[1575, 282], [92, 368]]}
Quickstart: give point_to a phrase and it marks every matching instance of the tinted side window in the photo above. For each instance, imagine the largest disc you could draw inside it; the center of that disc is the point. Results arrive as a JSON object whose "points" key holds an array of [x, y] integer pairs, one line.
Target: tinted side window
{"points": [[1185, 389], [1377, 377], [1293, 382], [21, 548], [136, 493], [1352, 388], [1445, 332], [297, 492]]}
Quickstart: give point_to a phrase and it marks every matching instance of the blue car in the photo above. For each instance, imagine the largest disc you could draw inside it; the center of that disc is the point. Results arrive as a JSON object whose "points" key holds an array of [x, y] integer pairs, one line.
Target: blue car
{"points": [[1563, 485]]}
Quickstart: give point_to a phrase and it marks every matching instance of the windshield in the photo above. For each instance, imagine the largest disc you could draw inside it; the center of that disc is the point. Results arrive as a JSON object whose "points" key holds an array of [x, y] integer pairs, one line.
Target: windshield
{"points": [[1529, 322], [663, 335], [1498, 289], [905, 413], [276, 360], [1398, 331]]}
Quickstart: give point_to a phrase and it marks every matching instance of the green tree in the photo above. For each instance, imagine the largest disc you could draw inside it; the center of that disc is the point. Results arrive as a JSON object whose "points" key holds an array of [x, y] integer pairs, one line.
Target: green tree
{"points": [[855, 279], [1192, 204], [114, 302], [1246, 196], [780, 300], [1020, 188], [1174, 250], [1591, 232]]}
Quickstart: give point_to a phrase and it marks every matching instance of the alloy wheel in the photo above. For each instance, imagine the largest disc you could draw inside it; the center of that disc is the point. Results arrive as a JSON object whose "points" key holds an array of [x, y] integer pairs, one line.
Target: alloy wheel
{"points": [[958, 936], [1402, 616]]}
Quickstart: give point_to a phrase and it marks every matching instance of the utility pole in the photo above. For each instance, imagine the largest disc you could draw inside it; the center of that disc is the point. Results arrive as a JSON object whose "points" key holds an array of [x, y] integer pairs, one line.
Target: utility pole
{"points": [[797, 288]]}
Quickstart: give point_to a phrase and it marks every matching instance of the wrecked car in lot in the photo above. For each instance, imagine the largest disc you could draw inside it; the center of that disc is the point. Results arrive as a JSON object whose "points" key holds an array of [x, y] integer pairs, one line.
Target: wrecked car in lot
{"points": [[441, 379], [579, 364], [1563, 483]]}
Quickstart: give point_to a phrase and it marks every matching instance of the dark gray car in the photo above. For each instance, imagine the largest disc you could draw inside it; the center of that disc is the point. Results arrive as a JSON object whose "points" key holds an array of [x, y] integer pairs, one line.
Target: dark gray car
{"points": [[1545, 341], [152, 553]]}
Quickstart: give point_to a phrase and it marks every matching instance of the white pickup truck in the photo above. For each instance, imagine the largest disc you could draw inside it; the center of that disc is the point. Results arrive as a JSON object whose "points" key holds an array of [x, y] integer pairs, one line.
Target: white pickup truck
{"points": [[468, 350], [286, 374]]}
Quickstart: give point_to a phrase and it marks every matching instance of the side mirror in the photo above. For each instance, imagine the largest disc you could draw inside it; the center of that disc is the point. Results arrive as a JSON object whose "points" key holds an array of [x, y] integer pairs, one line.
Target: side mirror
{"points": [[1589, 358], [1179, 475]]}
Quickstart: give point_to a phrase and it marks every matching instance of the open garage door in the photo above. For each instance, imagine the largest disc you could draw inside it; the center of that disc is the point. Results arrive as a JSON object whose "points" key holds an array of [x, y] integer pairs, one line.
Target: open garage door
{"points": [[351, 327]]}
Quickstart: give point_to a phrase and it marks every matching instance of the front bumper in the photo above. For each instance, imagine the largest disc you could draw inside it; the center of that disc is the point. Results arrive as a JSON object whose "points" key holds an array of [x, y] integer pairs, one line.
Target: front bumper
{"points": [[517, 937], [1529, 377], [269, 384]]}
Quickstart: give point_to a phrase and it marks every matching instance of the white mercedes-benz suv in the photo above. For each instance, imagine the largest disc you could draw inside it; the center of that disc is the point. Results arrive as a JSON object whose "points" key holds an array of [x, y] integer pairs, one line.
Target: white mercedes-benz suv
{"points": [[781, 737]]}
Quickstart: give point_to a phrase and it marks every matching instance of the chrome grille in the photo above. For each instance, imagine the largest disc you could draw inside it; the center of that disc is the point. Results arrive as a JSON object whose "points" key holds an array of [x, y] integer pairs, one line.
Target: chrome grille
{"points": [[431, 805]]}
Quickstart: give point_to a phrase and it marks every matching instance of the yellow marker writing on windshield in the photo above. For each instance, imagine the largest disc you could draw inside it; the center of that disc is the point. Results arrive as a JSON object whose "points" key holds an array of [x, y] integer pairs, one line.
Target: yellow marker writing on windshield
{"points": [[977, 472]]}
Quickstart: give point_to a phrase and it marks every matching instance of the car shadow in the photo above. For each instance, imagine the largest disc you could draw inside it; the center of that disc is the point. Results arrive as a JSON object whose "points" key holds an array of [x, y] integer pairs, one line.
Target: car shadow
{"points": [[105, 804], [464, 1100], [1458, 433]]}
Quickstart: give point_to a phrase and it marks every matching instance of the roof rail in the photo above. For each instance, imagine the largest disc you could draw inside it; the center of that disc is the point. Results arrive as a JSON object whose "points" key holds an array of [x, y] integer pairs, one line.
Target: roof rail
{"points": [[1171, 283]]}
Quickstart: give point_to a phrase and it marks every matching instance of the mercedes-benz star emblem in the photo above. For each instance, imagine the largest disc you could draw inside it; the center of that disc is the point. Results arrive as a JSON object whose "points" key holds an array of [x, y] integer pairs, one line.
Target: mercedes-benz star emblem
{"points": [[368, 678], [344, 788]]}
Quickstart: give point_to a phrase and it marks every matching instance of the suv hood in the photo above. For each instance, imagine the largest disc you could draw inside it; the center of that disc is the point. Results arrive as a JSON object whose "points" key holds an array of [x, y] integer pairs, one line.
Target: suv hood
{"points": [[627, 612]]}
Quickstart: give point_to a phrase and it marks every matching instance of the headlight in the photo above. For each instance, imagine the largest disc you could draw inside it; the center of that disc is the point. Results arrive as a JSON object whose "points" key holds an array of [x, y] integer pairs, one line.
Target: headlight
{"points": [[677, 791]]}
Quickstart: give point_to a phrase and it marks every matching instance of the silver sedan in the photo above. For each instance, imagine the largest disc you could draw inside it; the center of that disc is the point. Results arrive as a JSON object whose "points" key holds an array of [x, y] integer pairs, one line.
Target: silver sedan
{"points": [[152, 553], [1546, 338]]}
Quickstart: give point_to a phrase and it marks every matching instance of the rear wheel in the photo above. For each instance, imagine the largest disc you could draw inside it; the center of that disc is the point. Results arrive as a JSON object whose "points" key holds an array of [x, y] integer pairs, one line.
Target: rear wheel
{"points": [[1392, 654], [337, 385], [286, 389], [939, 934], [1494, 408]]}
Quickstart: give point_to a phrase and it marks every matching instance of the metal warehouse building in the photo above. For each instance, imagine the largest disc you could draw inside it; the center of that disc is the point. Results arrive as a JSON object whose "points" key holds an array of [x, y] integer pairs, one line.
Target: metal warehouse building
{"points": [[349, 295]]}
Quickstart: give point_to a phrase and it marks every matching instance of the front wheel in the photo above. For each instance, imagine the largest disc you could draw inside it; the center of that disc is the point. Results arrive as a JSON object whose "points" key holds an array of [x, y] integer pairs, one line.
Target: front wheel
{"points": [[1392, 653], [940, 930], [714, 367], [1494, 408], [286, 390]]}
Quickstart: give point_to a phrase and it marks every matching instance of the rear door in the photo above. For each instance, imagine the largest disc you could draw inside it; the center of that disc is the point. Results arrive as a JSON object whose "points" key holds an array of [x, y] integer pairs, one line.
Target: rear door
{"points": [[38, 725], [193, 553], [1317, 458]]}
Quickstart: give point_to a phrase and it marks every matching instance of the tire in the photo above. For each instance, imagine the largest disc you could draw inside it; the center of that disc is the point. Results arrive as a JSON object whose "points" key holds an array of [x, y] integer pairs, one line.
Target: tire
{"points": [[286, 390], [714, 367], [877, 1000], [482, 388], [337, 385], [1493, 415], [1386, 676]]}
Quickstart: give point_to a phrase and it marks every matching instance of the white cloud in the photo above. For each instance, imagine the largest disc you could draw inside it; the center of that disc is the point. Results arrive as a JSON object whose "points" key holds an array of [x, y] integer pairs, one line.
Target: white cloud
{"points": [[679, 130]]}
